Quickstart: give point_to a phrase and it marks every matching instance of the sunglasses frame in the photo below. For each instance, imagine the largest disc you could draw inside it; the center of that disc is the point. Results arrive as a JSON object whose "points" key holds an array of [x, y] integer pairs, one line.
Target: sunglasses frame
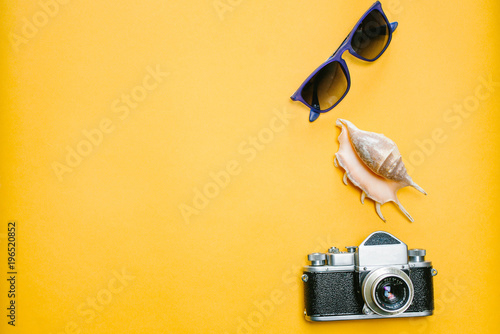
{"points": [[337, 57]]}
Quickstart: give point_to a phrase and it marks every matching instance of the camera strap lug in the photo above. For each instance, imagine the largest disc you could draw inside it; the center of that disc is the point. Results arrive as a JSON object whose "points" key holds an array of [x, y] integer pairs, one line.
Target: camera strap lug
{"points": [[366, 310]]}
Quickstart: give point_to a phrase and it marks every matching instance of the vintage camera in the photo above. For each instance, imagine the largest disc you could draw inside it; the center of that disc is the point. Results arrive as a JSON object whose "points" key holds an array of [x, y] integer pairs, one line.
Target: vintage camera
{"points": [[379, 279]]}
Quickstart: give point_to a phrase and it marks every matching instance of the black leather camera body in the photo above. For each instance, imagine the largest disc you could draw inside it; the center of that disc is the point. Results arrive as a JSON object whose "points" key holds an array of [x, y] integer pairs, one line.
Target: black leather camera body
{"points": [[379, 279]]}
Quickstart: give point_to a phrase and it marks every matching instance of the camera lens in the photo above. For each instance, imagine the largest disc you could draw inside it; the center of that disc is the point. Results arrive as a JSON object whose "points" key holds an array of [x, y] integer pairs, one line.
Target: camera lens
{"points": [[387, 291], [392, 293]]}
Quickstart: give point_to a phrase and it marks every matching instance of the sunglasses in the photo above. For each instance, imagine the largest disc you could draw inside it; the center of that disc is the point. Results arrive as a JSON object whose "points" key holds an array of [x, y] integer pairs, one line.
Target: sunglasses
{"points": [[330, 82]]}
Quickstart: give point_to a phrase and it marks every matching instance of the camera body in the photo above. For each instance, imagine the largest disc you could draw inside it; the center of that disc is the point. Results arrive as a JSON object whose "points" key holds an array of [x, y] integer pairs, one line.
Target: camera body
{"points": [[379, 279]]}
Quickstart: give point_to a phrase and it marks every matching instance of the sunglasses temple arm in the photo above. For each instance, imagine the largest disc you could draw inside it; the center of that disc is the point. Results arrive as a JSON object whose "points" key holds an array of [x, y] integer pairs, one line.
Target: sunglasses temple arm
{"points": [[394, 25], [313, 115]]}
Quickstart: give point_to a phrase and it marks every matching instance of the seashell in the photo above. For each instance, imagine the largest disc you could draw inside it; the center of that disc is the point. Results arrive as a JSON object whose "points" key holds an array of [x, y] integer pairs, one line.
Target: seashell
{"points": [[372, 162]]}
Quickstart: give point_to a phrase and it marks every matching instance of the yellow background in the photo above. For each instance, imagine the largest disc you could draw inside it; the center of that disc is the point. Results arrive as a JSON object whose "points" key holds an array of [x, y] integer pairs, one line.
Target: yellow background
{"points": [[230, 71]]}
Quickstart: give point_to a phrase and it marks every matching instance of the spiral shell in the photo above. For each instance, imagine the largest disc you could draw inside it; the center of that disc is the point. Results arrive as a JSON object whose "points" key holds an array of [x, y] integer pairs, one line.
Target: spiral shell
{"points": [[372, 162]]}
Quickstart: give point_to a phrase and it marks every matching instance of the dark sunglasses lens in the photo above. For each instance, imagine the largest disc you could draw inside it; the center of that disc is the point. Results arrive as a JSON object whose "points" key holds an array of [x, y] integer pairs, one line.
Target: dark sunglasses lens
{"points": [[326, 87], [371, 36]]}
